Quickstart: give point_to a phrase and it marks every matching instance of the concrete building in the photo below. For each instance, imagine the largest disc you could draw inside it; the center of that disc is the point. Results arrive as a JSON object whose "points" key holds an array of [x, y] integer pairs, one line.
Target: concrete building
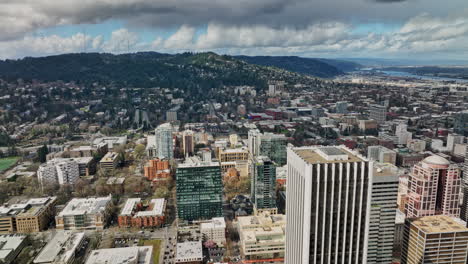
{"points": [[342, 107], [111, 142], [110, 161], [433, 188], [228, 155], [58, 171], [402, 134], [378, 113], [157, 170], [171, 115], [453, 139], [382, 214], [268, 144], [61, 249], [328, 205], [262, 237], [164, 141], [199, 190], [263, 183], [214, 230], [367, 124], [416, 145], [434, 239], [188, 143], [151, 148], [381, 154], [233, 140], [136, 213], [33, 215], [189, 253], [127, 255], [464, 207], [10, 247], [84, 214]]}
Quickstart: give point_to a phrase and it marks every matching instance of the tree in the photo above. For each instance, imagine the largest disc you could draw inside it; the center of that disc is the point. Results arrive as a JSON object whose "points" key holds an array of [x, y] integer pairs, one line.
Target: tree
{"points": [[42, 153], [139, 151], [161, 192]]}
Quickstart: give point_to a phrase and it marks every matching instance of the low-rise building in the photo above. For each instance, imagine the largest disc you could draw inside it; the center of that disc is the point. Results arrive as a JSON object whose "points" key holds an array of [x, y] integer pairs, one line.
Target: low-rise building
{"points": [[214, 230], [109, 161], [116, 184], [157, 169], [10, 247], [136, 213], [61, 249], [111, 142], [84, 214], [33, 215], [189, 253], [262, 236], [128, 255]]}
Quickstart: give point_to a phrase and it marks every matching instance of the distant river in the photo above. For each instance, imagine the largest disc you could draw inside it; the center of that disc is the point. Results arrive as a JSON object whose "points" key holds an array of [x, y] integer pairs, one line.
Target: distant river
{"points": [[422, 77]]}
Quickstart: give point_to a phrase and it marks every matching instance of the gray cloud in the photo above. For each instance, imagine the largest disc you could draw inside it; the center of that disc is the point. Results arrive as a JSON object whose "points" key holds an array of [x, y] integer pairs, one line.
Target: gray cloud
{"points": [[19, 17]]}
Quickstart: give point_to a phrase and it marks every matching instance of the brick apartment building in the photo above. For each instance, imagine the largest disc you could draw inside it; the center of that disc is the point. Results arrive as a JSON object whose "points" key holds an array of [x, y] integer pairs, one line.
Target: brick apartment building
{"points": [[137, 213], [157, 169]]}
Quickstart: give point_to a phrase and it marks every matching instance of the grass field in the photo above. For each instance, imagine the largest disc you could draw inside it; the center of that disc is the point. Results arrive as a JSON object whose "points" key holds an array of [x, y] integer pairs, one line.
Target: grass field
{"points": [[156, 248], [6, 163]]}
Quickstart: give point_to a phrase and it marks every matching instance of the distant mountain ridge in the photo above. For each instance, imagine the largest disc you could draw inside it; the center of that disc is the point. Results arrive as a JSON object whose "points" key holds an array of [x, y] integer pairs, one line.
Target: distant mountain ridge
{"points": [[325, 68], [149, 69]]}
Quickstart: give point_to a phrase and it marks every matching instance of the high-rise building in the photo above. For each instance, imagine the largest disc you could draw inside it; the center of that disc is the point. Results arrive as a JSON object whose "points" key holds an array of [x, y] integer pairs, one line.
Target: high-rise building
{"points": [[433, 188], [402, 134], [199, 190], [434, 239], [268, 144], [328, 205], [263, 183], [461, 123], [58, 171], [464, 207], [381, 154], [342, 107], [454, 139], [164, 141], [188, 143], [378, 113], [382, 214]]}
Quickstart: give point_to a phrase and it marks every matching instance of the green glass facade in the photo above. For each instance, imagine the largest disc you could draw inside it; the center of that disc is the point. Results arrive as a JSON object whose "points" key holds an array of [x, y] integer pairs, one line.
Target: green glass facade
{"points": [[263, 183], [199, 192], [274, 147]]}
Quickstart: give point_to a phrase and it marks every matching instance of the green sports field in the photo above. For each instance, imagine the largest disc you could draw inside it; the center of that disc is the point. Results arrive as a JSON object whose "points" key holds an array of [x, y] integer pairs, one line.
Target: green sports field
{"points": [[6, 163]]}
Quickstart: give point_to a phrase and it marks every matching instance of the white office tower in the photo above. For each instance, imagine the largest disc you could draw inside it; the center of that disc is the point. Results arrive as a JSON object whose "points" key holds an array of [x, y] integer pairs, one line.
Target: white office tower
{"points": [[382, 214], [328, 205], [454, 139], [164, 141], [403, 135]]}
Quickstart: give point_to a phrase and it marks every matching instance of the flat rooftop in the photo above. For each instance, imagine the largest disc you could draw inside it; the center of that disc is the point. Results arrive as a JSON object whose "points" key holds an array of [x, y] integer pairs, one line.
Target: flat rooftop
{"points": [[157, 208], [439, 224], [80, 206], [189, 250], [217, 222], [129, 255], [61, 248], [109, 157], [318, 155], [29, 207], [9, 243], [129, 205], [194, 162]]}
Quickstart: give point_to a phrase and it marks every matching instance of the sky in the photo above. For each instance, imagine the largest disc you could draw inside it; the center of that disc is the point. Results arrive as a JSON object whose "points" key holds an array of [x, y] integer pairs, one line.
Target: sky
{"points": [[416, 29]]}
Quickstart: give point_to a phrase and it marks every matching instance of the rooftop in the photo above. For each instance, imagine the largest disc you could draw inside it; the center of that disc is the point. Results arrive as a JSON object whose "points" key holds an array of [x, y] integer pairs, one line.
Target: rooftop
{"points": [[129, 255], [9, 243], [26, 208], [189, 250], [193, 162], [217, 222], [110, 157], [80, 206], [438, 224], [317, 155], [61, 248]]}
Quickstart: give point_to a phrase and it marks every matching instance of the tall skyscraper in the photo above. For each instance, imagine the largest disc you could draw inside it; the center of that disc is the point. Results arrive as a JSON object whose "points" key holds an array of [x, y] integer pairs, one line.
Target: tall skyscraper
{"points": [[199, 190], [378, 113], [164, 141], [382, 214], [188, 143], [464, 208], [328, 205], [434, 239], [460, 125], [268, 144], [263, 183], [433, 189]]}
